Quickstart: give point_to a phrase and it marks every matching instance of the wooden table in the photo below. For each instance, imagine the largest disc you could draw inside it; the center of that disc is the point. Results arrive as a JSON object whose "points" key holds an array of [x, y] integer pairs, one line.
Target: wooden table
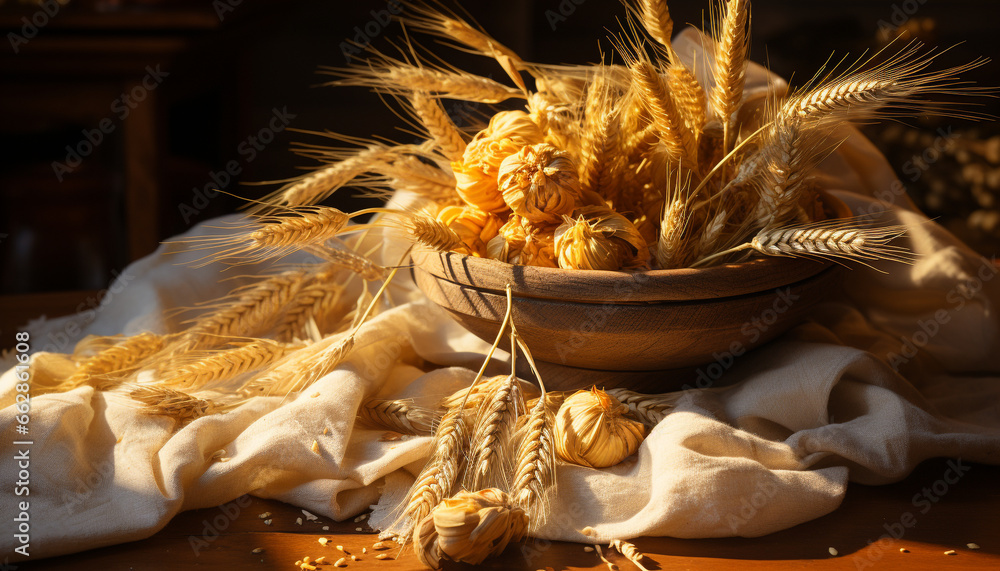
{"points": [[966, 513]]}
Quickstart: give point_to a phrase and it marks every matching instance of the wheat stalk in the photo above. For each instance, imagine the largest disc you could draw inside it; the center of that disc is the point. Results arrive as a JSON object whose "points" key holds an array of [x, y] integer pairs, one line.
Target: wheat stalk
{"points": [[838, 241], [649, 409], [440, 127], [730, 66], [271, 236], [318, 185], [397, 415], [125, 354], [900, 79], [309, 225]]}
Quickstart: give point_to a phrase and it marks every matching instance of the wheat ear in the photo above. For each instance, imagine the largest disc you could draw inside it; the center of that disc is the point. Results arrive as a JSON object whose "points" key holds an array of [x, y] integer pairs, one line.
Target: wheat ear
{"points": [[181, 406], [412, 174], [495, 419], [342, 258], [670, 249], [301, 368], [440, 475], [657, 21], [689, 94], [317, 296], [397, 415], [649, 409], [464, 33], [225, 364], [430, 231], [534, 473], [297, 371], [831, 240], [398, 77], [130, 352], [630, 551], [253, 312], [665, 113], [899, 80], [318, 185], [442, 130], [730, 66], [269, 236]]}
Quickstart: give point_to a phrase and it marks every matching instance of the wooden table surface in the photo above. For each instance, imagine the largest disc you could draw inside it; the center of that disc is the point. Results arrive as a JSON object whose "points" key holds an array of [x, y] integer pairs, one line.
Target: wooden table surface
{"points": [[966, 511]]}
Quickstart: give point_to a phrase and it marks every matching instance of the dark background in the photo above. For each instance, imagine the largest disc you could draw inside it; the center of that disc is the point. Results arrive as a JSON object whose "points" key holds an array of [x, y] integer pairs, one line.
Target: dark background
{"points": [[61, 241]]}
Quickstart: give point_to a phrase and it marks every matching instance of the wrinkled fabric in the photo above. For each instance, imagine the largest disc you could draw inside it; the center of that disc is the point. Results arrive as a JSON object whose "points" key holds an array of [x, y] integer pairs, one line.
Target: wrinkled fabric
{"points": [[897, 368]]}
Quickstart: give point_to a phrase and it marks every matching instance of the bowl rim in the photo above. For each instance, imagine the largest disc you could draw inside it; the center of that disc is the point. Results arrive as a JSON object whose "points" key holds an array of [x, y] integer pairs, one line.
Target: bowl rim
{"points": [[685, 284]]}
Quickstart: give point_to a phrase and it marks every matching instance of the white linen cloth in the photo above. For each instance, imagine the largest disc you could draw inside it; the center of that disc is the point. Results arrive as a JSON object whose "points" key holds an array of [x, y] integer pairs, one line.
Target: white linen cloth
{"points": [[822, 405]]}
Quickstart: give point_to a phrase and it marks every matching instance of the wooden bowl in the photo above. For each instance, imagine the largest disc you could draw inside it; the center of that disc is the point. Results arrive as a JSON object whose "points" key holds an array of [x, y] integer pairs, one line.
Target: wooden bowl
{"points": [[640, 323]]}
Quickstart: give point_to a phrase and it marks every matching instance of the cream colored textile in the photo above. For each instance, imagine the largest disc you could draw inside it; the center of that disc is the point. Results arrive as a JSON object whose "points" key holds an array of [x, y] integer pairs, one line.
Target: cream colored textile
{"points": [[820, 406]]}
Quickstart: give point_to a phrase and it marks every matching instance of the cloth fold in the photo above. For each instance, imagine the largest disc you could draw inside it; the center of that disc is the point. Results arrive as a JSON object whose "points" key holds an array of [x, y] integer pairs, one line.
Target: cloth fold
{"points": [[897, 368]]}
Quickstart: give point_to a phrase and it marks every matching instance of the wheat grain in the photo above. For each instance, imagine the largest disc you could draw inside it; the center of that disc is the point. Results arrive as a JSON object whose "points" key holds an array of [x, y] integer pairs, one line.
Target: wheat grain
{"points": [[730, 66], [397, 415], [440, 127]]}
